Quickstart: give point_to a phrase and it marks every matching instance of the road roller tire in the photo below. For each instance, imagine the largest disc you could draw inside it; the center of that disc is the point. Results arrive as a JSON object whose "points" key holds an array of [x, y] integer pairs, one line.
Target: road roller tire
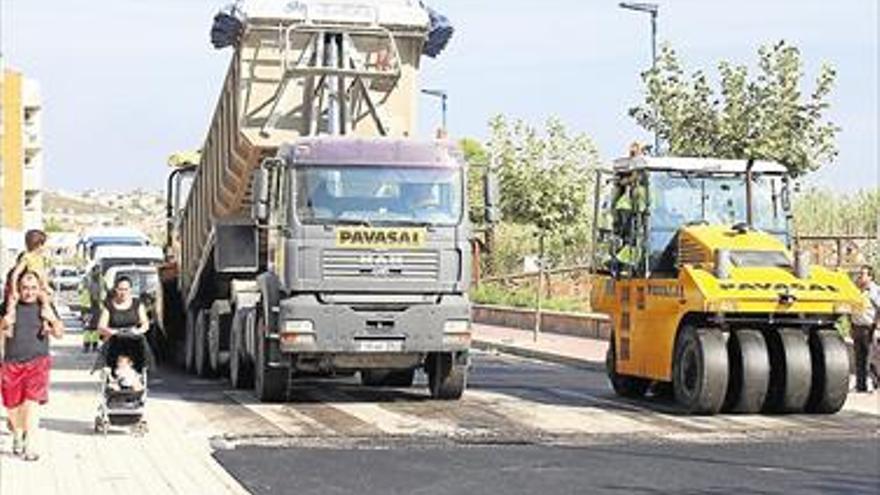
{"points": [[700, 370], [623, 385], [749, 376], [790, 371], [830, 382]]}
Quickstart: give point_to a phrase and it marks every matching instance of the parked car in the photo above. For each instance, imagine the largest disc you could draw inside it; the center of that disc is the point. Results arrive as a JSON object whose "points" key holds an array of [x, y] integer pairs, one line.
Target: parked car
{"points": [[65, 277]]}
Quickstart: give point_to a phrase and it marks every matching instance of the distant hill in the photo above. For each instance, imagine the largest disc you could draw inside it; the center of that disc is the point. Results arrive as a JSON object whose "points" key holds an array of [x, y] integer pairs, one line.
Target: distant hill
{"points": [[55, 203], [76, 212]]}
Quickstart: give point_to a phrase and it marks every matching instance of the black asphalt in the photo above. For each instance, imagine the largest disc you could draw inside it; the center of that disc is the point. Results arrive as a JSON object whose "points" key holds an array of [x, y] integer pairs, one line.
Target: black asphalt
{"points": [[840, 462], [796, 467]]}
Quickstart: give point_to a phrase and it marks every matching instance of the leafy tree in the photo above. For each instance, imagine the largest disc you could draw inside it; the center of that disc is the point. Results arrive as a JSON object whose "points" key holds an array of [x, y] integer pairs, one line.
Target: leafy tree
{"points": [[477, 158], [546, 181], [764, 117]]}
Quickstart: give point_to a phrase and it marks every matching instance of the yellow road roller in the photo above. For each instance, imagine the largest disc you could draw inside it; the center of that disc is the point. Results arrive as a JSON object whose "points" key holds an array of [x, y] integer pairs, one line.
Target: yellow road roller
{"points": [[707, 298]]}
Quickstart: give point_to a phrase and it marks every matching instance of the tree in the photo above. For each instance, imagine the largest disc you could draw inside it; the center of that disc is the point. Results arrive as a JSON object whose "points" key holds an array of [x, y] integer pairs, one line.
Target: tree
{"points": [[477, 159], [766, 117], [546, 181]]}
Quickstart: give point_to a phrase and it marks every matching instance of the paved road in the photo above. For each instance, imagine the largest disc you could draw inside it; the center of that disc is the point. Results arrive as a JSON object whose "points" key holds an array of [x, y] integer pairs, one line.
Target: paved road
{"points": [[524, 427]]}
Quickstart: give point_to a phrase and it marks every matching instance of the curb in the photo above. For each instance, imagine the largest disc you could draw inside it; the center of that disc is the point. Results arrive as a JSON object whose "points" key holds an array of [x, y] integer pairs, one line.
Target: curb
{"points": [[485, 345]]}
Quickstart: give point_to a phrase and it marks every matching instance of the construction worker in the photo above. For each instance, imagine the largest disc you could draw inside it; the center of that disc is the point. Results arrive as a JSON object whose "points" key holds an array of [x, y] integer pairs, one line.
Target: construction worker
{"points": [[864, 324]]}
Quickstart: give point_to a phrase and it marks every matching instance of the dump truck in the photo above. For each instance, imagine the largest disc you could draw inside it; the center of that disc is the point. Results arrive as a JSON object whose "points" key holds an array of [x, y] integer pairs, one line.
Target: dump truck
{"points": [[707, 299], [313, 235]]}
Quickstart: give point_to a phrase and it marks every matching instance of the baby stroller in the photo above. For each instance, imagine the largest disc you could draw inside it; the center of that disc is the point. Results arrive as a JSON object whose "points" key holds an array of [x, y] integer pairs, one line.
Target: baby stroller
{"points": [[119, 404]]}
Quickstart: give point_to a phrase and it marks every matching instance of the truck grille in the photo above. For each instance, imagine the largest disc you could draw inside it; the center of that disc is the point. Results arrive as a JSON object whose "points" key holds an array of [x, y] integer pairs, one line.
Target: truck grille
{"points": [[396, 265]]}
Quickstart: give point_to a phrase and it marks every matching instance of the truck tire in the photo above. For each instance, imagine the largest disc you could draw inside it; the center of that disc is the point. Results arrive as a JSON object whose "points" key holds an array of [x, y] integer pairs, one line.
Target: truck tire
{"points": [[189, 342], [791, 371], [241, 372], [218, 336], [623, 385], [446, 380], [749, 372], [388, 378], [700, 370], [270, 384], [830, 382], [202, 363]]}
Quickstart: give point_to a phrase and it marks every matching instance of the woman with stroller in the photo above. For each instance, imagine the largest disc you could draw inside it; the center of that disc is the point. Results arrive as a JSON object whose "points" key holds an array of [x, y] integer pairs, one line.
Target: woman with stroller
{"points": [[122, 311]]}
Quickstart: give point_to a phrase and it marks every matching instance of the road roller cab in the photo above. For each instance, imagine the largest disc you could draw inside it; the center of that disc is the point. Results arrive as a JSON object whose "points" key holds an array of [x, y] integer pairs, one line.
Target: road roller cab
{"points": [[705, 294]]}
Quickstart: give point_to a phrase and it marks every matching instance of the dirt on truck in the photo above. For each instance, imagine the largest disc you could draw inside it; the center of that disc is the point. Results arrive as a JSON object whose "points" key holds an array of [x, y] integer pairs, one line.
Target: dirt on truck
{"points": [[312, 234]]}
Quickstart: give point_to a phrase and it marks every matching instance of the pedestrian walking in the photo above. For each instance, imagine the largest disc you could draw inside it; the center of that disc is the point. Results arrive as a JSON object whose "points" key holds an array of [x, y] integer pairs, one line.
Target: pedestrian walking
{"points": [[123, 311], [24, 382], [864, 324]]}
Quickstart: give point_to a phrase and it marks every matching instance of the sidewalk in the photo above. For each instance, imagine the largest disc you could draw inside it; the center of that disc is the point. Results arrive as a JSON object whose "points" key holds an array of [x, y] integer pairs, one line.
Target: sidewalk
{"points": [[561, 349], [174, 457]]}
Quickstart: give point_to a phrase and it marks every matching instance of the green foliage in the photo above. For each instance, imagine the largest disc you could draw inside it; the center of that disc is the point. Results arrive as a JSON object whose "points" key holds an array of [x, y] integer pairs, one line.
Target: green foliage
{"points": [[765, 117], [52, 225], [823, 212], [546, 186], [477, 158], [523, 297], [513, 242]]}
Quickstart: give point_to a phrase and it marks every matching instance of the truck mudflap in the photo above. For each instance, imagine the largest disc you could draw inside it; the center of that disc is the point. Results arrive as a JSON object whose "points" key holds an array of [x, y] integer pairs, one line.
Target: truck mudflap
{"points": [[309, 326]]}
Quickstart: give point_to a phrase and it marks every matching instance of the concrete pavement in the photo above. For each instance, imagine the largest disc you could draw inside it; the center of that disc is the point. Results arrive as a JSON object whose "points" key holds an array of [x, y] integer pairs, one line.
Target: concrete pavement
{"points": [[174, 457]]}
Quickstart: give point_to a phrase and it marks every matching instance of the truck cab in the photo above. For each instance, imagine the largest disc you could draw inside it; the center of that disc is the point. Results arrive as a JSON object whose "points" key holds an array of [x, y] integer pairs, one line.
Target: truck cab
{"points": [[369, 260]]}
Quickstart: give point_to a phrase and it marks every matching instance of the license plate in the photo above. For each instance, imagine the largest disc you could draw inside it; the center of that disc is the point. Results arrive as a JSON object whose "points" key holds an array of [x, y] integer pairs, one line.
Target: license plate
{"points": [[380, 345]]}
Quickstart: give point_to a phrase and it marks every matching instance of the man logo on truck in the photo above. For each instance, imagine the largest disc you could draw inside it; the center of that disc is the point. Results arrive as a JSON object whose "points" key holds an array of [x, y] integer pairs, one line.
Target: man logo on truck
{"points": [[378, 238]]}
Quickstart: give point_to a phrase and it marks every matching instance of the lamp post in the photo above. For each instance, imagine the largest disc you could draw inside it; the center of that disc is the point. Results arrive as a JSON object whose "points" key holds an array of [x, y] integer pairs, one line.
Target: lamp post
{"points": [[444, 96], [653, 9]]}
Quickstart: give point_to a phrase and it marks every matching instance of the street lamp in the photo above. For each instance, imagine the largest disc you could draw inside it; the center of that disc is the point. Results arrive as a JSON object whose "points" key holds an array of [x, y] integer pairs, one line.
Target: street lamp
{"points": [[439, 93], [653, 9]]}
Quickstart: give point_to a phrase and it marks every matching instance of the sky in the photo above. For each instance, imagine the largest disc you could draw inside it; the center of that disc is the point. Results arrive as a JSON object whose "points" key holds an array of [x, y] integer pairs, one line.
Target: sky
{"points": [[127, 82]]}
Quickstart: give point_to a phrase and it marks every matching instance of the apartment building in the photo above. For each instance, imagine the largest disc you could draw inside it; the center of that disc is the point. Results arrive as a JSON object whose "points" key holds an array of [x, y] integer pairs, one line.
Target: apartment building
{"points": [[21, 162]]}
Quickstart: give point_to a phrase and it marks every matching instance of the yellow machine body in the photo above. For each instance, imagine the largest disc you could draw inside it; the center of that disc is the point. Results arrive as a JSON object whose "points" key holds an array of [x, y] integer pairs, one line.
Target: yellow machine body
{"points": [[647, 313]]}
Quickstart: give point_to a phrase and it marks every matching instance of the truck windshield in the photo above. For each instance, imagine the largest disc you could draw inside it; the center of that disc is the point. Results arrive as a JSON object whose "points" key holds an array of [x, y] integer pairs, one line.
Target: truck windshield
{"points": [[373, 195]]}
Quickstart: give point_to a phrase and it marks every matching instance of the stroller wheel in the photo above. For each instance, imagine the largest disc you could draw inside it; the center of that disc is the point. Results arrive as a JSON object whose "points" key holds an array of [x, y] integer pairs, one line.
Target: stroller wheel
{"points": [[141, 428]]}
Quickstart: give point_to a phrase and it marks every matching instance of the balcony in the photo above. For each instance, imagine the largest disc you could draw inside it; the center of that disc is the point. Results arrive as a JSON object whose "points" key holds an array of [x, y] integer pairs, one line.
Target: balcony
{"points": [[33, 178]]}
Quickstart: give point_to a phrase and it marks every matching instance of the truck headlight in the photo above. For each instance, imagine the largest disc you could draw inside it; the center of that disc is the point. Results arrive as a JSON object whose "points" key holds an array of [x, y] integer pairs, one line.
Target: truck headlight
{"points": [[457, 326], [457, 333], [297, 333], [298, 326]]}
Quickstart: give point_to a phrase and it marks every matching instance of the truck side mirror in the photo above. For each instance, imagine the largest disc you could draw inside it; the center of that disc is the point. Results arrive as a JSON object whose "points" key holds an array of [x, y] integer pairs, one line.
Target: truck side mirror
{"points": [[490, 197], [260, 208]]}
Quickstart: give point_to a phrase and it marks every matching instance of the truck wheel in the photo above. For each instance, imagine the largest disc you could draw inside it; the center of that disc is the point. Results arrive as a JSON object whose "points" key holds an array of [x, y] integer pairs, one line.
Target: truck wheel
{"points": [[203, 366], [190, 341], [218, 324], [270, 384], [830, 382], [388, 378], [790, 371], [446, 380], [241, 374], [699, 370], [623, 385], [749, 372]]}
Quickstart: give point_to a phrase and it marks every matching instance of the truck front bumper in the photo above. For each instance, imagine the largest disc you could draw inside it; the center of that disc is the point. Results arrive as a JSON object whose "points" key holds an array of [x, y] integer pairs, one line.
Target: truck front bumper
{"points": [[305, 325]]}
